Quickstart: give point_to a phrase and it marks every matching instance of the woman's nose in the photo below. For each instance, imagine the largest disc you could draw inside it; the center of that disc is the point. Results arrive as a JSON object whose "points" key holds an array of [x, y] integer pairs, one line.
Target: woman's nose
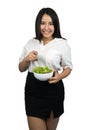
{"points": [[46, 26]]}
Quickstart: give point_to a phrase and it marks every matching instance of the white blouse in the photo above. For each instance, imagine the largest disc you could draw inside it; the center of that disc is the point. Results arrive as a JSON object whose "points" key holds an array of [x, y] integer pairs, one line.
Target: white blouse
{"points": [[56, 54]]}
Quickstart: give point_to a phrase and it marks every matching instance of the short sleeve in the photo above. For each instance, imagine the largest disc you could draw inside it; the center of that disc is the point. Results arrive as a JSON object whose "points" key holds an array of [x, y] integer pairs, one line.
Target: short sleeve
{"points": [[66, 57], [23, 54], [25, 50]]}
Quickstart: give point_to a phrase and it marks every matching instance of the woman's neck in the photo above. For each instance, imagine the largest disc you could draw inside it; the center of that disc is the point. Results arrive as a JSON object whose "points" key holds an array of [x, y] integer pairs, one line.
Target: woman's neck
{"points": [[46, 40]]}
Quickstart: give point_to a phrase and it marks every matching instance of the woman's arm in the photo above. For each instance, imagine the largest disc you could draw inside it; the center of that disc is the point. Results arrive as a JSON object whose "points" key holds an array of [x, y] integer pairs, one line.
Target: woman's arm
{"points": [[60, 76], [24, 64]]}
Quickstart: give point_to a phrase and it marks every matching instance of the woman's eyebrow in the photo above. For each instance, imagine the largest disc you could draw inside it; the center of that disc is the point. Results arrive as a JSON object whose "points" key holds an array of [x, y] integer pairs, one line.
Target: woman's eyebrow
{"points": [[45, 21]]}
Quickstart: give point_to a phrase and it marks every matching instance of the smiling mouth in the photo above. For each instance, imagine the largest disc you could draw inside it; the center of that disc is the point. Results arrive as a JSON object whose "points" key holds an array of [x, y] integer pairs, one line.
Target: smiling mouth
{"points": [[46, 32]]}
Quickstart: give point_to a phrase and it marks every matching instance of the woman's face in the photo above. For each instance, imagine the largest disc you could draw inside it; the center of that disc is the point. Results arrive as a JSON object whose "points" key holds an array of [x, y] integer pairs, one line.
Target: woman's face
{"points": [[46, 27]]}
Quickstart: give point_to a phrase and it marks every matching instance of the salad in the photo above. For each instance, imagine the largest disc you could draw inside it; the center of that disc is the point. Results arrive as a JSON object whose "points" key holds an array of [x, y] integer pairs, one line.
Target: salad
{"points": [[42, 70]]}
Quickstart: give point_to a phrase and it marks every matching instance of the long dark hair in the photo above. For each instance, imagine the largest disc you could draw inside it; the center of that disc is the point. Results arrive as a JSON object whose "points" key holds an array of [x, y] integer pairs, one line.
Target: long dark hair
{"points": [[55, 21]]}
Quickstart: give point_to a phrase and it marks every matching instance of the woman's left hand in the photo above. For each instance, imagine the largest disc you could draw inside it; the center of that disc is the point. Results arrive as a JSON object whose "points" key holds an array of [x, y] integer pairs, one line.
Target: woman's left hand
{"points": [[55, 78], [60, 76]]}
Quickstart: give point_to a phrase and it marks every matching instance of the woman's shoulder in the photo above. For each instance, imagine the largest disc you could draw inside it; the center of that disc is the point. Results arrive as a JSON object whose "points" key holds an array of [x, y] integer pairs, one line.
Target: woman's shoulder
{"points": [[61, 40], [31, 41]]}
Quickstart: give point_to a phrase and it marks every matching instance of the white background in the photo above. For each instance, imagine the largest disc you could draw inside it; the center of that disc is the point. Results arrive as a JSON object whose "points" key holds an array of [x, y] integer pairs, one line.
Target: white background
{"points": [[17, 23]]}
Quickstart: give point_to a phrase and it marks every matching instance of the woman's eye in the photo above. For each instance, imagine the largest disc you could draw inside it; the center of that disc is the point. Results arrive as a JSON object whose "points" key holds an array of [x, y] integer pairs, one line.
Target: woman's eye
{"points": [[51, 23], [42, 23]]}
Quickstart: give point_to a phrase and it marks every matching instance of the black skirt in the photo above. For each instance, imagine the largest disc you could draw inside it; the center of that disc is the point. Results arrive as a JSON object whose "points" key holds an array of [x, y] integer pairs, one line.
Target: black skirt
{"points": [[41, 98]]}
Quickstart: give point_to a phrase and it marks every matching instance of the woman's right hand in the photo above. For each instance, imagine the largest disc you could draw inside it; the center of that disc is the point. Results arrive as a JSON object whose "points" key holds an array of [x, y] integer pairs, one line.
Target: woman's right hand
{"points": [[32, 56]]}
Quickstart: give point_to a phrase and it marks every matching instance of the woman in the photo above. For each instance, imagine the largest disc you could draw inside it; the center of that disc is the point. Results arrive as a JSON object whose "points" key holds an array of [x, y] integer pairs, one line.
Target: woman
{"points": [[44, 99]]}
